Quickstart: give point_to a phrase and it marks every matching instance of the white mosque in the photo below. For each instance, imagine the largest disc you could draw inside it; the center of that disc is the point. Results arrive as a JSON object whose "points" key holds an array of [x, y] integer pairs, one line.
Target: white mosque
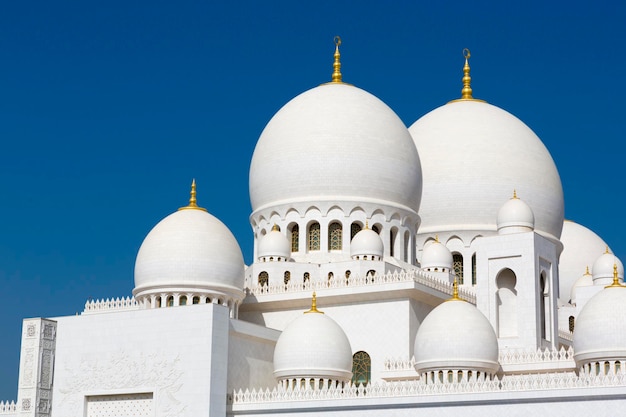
{"points": [[396, 271]]}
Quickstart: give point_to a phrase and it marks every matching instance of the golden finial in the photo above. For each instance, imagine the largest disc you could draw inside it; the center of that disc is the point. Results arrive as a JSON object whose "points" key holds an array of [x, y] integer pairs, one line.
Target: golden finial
{"points": [[337, 64], [607, 250], [587, 271], [615, 278], [466, 92], [367, 224], [514, 194], [193, 204], [455, 290], [437, 238], [313, 305], [275, 228]]}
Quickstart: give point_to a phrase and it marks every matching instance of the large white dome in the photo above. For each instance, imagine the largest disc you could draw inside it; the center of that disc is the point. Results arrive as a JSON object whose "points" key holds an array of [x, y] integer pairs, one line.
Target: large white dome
{"points": [[190, 249], [313, 346], [443, 341], [581, 248], [335, 142], [473, 155], [600, 330]]}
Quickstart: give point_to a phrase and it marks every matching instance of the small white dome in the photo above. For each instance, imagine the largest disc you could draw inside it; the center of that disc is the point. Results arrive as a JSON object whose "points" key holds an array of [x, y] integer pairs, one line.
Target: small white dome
{"points": [[190, 249], [584, 281], [313, 346], [515, 216], [436, 255], [602, 270], [600, 329], [445, 341], [275, 245], [581, 247], [335, 142], [473, 154], [366, 243]]}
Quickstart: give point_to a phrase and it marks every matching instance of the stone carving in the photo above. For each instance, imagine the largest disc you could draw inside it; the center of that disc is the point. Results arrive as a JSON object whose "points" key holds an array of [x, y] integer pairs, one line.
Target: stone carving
{"points": [[30, 330], [26, 404]]}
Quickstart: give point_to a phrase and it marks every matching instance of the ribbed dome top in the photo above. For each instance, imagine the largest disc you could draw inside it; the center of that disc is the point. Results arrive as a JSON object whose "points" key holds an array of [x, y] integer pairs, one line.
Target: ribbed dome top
{"points": [[436, 255], [190, 248], [455, 335], [600, 331], [473, 154], [581, 247], [366, 243], [335, 142], [274, 244], [313, 346]]}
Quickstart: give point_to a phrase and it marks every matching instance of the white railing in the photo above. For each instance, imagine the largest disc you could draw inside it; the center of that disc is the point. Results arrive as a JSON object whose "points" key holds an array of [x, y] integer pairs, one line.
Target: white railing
{"points": [[113, 304], [355, 280], [7, 407], [515, 356]]}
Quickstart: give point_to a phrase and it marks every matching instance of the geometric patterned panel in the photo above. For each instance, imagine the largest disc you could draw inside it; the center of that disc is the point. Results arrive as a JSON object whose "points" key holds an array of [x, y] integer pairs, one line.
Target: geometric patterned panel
{"points": [[122, 405]]}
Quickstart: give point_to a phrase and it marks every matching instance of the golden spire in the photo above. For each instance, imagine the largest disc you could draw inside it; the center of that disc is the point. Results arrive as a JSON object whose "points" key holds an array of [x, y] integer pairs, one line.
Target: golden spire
{"points": [[437, 238], [587, 271], [455, 290], [615, 278], [337, 64], [367, 224], [193, 205], [514, 194], [607, 250], [275, 228], [466, 92], [313, 305]]}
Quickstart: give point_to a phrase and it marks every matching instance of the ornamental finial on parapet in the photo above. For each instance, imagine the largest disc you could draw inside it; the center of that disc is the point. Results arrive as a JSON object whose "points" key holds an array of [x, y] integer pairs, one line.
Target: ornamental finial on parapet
{"points": [[337, 64]]}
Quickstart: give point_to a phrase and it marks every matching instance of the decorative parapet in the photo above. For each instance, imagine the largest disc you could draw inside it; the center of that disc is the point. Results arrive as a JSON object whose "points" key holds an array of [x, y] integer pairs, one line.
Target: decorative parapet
{"points": [[566, 335], [399, 364], [544, 381], [545, 360], [110, 305], [355, 280], [399, 370], [7, 408]]}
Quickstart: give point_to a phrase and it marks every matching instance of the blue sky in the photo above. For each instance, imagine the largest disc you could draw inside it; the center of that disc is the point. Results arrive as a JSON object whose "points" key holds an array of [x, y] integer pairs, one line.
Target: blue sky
{"points": [[109, 109]]}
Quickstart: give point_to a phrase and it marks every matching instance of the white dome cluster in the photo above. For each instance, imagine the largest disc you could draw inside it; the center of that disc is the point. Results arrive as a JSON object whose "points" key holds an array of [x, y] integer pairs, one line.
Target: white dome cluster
{"points": [[191, 254], [311, 349]]}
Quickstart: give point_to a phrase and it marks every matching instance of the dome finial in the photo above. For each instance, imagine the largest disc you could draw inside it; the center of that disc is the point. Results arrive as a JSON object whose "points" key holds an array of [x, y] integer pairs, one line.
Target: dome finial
{"points": [[607, 250], [466, 92], [514, 194], [587, 271], [437, 238], [337, 64], [193, 204], [455, 290], [367, 224], [275, 228], [313, 305], [615, 282]]}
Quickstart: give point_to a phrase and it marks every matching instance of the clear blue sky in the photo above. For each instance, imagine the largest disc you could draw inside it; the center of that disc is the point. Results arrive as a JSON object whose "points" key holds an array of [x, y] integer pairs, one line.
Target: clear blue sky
{"points": [[109, 109]]}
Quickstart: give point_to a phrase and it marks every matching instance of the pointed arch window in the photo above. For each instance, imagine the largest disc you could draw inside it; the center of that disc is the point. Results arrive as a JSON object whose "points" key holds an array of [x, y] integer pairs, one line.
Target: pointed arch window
{"points": [[354, 229], [334, 236], [295, 238], [361, 368], [287, 277], [457, 265], [263, 278], [314, 236], [474, 269]]}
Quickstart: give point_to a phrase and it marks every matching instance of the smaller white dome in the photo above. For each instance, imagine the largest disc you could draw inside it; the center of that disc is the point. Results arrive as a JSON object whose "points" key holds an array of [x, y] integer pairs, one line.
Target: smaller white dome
{"points": [[436, 255], [600, 330], [515, 216], [602, 270], [275, 245], [366, 243], [444, 341], [584, 281], [313, 346]]}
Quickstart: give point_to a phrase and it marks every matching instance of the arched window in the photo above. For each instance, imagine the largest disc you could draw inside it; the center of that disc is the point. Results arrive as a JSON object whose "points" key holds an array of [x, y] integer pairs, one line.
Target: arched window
{"points": [[376, 228], [314, 236], [457, 265], [170, 301], [158, 302], [571, 324], [354, 229], [392, 241], [506, 298], [361, 368], [295, 238], [287, 277], [544, 307], [330, 277], [196, 300], [263, 278], [307, 277], [183, 300], [474, 269], [334, 236], [406, 246]]}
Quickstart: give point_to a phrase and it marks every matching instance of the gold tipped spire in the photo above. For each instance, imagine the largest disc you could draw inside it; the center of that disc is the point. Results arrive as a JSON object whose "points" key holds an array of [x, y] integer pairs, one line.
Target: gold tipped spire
{"points": [[193, 204], [437, 238], [455, 290], [367, 224], [615, 278], [514, 195], [587, 271], [313, 305], [275, 228], [337, 64], [466, 92], [607, 250]]}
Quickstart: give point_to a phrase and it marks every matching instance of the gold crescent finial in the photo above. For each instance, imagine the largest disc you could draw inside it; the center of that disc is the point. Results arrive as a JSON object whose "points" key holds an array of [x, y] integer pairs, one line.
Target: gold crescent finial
{"points": [[193, 204], [313, 305], [466, 92], [337, 78]]}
